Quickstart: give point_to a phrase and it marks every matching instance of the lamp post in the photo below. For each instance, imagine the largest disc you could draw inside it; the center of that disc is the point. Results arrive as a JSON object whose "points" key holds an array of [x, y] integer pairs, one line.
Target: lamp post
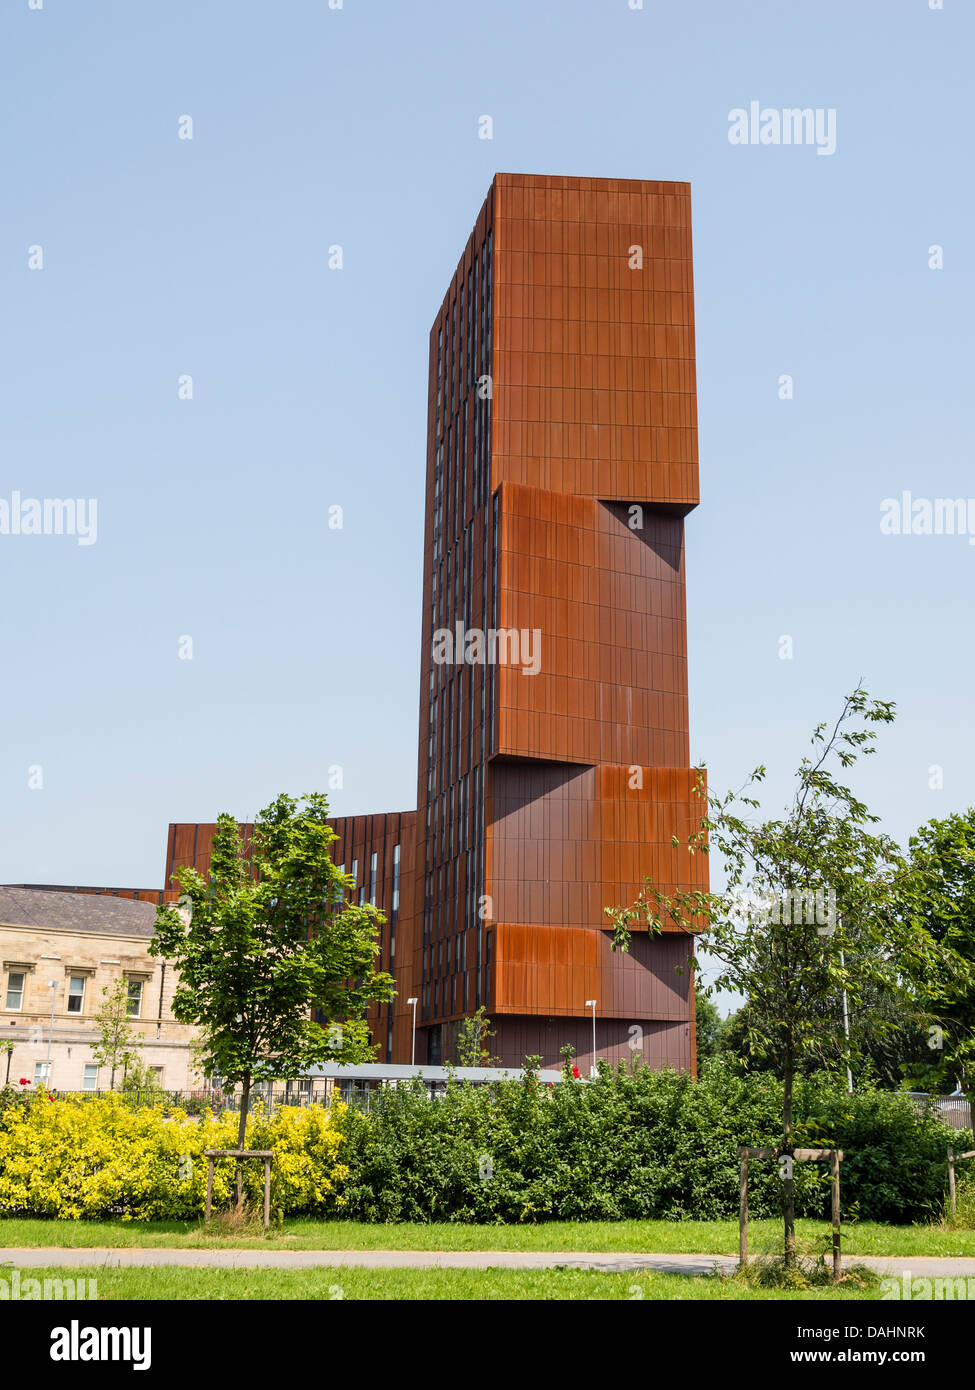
{"points": [[53, 986], [591, 1004], [846, 1030], [7, 1047], [414, 1002]]}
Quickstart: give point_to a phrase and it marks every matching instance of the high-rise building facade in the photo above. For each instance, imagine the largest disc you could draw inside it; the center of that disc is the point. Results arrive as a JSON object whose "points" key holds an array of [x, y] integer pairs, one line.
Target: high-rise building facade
{"points": [[553, 770], [553, 760]]}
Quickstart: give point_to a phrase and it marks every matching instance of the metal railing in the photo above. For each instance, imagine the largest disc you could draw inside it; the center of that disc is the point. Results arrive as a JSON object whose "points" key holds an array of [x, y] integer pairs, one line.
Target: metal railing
{"points": [[954, 1110], [270, 1098]]}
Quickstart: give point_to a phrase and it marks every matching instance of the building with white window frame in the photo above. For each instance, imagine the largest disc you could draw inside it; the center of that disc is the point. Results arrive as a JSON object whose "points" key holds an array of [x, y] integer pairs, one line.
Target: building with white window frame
{"points": [[60, 953]]}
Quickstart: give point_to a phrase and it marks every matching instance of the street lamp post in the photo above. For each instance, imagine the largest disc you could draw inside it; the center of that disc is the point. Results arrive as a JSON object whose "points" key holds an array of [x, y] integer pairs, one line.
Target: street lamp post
{"points": [[591, 1004], [53, 986], [414, 1002], [846, 1030]]}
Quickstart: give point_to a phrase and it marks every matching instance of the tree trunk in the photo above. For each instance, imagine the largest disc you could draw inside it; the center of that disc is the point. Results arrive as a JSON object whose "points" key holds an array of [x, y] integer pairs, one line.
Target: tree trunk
{"points": [[241, 1135], [788, 1183]]}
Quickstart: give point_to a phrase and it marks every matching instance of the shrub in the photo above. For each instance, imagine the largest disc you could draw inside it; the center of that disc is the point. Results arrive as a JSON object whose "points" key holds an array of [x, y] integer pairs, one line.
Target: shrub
{"points": [[83, 1159], [630, 1144], [12, 1096], [640, 1144]]}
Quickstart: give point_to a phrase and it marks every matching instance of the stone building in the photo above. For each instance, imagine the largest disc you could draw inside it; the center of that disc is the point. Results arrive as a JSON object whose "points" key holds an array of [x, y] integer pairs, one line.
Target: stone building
{"points": [[67, 949]]}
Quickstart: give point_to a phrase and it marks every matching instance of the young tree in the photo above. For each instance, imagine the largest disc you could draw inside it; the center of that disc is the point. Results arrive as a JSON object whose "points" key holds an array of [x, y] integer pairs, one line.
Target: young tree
{"points": [[118, 1045], [810, 913], [140, 1078], [472, 1037], [264, 943]]}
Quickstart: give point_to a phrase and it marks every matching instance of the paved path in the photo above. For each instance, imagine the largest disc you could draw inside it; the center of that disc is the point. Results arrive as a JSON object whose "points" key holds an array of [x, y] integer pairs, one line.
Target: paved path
{"points": [[613, 1263]]}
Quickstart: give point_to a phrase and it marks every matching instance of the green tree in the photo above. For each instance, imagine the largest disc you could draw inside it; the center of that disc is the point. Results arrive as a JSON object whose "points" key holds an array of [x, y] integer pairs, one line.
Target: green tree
{"points": [[119, 1045], [810, 912], [141, 1079], [265, 943], [709, 1025], [942, 854], [472, 1037], [887, 1040]]}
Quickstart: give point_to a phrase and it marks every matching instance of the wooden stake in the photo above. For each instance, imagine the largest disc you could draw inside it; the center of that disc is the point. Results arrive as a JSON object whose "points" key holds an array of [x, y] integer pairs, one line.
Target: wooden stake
{"points": [[954, 1158], [834, 1167], [952, 1199], [266, 1154]]}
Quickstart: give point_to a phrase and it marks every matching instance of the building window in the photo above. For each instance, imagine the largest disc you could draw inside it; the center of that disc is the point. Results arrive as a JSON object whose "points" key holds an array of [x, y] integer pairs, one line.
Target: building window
{"points": [[15, 989], [90, 1080], [76, 994], [41, 1072], [338, 895], [157, 1074], [134, 1005], [373, 874]]}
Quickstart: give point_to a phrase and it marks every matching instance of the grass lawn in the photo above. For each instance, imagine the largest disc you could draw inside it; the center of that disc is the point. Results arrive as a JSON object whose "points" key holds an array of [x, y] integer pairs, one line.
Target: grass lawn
{"points": [[475, 1285], [656, 1237]]}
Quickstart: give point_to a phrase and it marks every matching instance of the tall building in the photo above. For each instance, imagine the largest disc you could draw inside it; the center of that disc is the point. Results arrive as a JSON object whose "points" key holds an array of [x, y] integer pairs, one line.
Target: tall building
{"points": [[553, 770]]}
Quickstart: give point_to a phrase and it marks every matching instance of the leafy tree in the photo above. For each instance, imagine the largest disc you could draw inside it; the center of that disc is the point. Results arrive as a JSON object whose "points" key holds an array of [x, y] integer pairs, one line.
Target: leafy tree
{"points": [[141, 1078], [710, 1027], [942, 854], [266, 943], [811, 910], [119, 1045], [472, 1037], [887, 1038]]}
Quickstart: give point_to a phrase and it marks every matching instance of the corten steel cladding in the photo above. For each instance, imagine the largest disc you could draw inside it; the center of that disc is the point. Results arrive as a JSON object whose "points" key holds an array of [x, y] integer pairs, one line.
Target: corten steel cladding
{"points": [[561, 461]]}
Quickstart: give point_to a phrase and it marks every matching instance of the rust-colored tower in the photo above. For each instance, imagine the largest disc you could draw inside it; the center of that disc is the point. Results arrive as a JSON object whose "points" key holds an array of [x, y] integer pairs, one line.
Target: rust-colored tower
{"points": [[561, 460], [553, 763]]}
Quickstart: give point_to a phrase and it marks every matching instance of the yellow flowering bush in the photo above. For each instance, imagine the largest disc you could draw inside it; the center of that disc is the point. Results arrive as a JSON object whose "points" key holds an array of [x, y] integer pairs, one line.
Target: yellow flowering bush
{"points": [[78, 1159]]}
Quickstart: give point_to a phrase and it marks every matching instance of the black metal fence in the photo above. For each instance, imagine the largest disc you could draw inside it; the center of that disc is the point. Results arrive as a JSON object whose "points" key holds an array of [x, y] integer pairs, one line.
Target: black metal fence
{"points": [[296, 1093]]}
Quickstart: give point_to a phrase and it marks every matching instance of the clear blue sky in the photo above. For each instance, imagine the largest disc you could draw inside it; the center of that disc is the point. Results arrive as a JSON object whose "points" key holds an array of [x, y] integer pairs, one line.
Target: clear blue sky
{"points": [[359, 126]]}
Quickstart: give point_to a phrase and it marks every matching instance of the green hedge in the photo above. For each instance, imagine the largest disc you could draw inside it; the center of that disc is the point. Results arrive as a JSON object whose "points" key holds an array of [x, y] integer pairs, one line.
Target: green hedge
{"points": [[650, 1144]]}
